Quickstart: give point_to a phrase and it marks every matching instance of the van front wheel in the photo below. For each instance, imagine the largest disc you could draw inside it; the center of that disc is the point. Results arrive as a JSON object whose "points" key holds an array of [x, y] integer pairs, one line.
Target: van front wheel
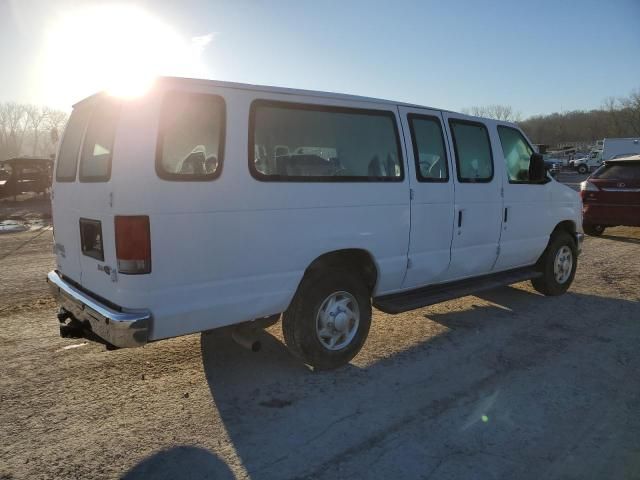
{"points": [[328, 320], [557, 265]]}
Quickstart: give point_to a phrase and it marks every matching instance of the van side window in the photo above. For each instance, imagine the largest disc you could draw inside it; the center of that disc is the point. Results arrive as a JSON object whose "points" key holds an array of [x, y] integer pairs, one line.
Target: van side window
{"points": [[474, 159], [428, 148], [70, 146], [95, 160], [517, 154], [295, 142], [191, 137]]}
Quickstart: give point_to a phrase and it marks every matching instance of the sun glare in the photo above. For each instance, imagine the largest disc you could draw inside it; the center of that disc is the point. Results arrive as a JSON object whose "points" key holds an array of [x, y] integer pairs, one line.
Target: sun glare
{"points": [[117, 48]]}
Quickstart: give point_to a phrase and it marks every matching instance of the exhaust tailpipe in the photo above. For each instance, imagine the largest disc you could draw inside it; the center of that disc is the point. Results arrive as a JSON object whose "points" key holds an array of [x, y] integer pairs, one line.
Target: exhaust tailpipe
{"points": [[246, 338]]}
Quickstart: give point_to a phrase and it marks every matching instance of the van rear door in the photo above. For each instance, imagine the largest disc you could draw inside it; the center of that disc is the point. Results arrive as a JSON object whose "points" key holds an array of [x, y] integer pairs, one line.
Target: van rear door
{"points": [[65, 194], [95, 225], [83, 219]]}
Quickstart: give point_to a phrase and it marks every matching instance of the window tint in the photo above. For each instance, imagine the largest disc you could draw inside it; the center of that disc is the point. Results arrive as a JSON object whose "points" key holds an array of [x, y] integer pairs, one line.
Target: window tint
{"points": [[619, 171], [517, 154], [428, 148], [191, 139], [69, 149], [95, 161], [317, 143], [473, 151]]}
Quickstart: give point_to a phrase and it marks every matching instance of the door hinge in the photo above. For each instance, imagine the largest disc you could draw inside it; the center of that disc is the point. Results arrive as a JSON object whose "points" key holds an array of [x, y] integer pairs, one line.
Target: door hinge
{"points": [[411, 194], [111, 199], [409, 264], [502, 192]]}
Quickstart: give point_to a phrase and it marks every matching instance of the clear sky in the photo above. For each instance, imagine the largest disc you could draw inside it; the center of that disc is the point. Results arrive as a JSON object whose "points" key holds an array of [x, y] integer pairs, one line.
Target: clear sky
{"points": [[537, 56]]}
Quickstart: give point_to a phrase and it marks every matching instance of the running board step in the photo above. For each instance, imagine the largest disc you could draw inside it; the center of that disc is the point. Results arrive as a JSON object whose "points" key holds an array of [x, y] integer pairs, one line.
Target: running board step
{"points": [[425, 296]]}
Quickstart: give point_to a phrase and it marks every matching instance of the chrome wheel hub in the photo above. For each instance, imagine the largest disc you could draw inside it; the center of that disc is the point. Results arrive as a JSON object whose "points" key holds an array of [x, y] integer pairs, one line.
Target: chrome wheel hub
{"points": [[563, 264], [337, 320]]}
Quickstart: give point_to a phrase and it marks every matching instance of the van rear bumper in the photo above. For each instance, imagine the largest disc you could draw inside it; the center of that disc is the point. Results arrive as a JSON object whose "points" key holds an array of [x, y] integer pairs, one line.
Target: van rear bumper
{"points": [[121, 328]]}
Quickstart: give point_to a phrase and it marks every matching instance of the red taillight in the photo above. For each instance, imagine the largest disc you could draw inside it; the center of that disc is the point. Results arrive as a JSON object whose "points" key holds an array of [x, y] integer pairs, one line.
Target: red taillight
{"points": [[133, 244]]}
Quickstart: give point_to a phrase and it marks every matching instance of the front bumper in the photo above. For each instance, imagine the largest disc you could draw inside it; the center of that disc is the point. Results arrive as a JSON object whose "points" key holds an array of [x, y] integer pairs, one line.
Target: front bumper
{"points": [[120, 328]]}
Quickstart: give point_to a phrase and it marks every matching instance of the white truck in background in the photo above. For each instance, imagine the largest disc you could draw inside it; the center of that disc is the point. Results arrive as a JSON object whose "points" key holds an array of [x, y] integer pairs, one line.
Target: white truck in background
{"points": [[611, 148]]}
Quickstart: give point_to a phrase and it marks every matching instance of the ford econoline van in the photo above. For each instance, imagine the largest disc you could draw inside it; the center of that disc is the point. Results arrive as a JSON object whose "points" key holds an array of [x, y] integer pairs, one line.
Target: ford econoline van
{"points": [[205, 204]]}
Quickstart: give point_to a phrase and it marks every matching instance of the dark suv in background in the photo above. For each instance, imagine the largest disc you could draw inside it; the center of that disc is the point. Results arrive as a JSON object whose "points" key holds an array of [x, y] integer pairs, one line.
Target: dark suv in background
{"points": [[611, 195]]}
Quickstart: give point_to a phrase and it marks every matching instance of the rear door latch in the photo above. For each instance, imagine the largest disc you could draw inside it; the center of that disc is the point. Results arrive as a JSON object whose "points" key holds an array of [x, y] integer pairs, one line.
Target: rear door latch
{"points": [[109, 271]]}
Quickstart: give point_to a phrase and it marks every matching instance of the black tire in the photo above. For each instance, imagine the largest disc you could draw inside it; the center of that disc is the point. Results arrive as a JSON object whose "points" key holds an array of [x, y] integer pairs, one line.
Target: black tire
{"points": [[595, 230], [548, 284], [582, 169], [299, 320]]}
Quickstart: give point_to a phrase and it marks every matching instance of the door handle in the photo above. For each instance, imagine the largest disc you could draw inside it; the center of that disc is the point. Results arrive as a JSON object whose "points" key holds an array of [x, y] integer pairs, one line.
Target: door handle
{"points": [[459, 218], [506, 214]]}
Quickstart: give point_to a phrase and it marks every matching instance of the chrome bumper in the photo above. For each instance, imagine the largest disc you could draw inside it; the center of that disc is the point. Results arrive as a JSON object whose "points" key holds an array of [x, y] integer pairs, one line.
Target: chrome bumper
{"points": [[579, 241], [127, 328]]}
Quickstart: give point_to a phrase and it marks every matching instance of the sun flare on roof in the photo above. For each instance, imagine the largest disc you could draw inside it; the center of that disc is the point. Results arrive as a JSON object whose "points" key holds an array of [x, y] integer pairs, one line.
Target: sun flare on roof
{"points": [[117, 48]]}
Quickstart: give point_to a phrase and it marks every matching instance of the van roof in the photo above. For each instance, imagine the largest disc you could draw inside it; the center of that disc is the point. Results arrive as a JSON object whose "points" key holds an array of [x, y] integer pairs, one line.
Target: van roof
{"points": [[271, 89]]}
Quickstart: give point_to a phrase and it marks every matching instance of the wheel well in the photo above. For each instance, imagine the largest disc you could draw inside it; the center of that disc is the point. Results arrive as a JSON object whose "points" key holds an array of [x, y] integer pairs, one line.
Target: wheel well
{"points": [[355, 259], [565, 226]]}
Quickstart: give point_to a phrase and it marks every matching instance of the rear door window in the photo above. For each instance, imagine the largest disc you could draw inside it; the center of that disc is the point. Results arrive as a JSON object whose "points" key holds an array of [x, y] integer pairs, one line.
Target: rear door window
{"points": [[69, 149], [97, 149], [474, 160], [191, 137]]}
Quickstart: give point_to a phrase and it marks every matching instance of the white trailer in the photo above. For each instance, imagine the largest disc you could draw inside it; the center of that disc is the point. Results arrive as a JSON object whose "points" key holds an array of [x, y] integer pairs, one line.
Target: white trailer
{"points": [[620, 146]]}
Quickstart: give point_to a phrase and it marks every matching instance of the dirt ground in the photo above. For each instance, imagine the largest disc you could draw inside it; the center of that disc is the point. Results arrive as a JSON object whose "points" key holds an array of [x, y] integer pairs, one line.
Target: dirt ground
{"points": [[510, 384]]}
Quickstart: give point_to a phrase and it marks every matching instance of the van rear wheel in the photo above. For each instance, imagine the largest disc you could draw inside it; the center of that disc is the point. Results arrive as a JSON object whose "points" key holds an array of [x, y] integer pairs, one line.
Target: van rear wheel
{"points": [[328, 320], [558, 265]]}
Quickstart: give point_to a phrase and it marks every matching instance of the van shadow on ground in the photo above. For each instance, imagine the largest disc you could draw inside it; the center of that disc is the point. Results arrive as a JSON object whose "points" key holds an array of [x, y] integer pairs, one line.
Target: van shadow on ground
{"points": [[180, 462], [287, 421]]}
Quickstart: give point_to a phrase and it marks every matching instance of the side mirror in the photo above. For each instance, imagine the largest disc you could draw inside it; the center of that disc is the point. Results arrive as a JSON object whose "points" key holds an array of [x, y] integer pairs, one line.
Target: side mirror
{"points": [[537, 170]]}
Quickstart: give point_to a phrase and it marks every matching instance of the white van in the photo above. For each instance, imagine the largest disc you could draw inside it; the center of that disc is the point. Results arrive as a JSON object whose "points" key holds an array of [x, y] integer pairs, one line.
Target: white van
{"points": [[206, 204]]}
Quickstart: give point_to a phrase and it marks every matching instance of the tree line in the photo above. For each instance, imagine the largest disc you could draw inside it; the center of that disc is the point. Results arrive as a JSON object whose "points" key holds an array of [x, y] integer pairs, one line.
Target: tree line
{"points": [[29, 130], [618, 117]]}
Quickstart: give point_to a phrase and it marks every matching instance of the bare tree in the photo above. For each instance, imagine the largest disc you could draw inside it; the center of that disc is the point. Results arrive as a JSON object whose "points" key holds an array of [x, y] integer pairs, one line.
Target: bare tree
{"points": [[55, 122], [13, 124], [497, 112], [27, 129], [35, 119], [630, 108], [613, 110]]}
